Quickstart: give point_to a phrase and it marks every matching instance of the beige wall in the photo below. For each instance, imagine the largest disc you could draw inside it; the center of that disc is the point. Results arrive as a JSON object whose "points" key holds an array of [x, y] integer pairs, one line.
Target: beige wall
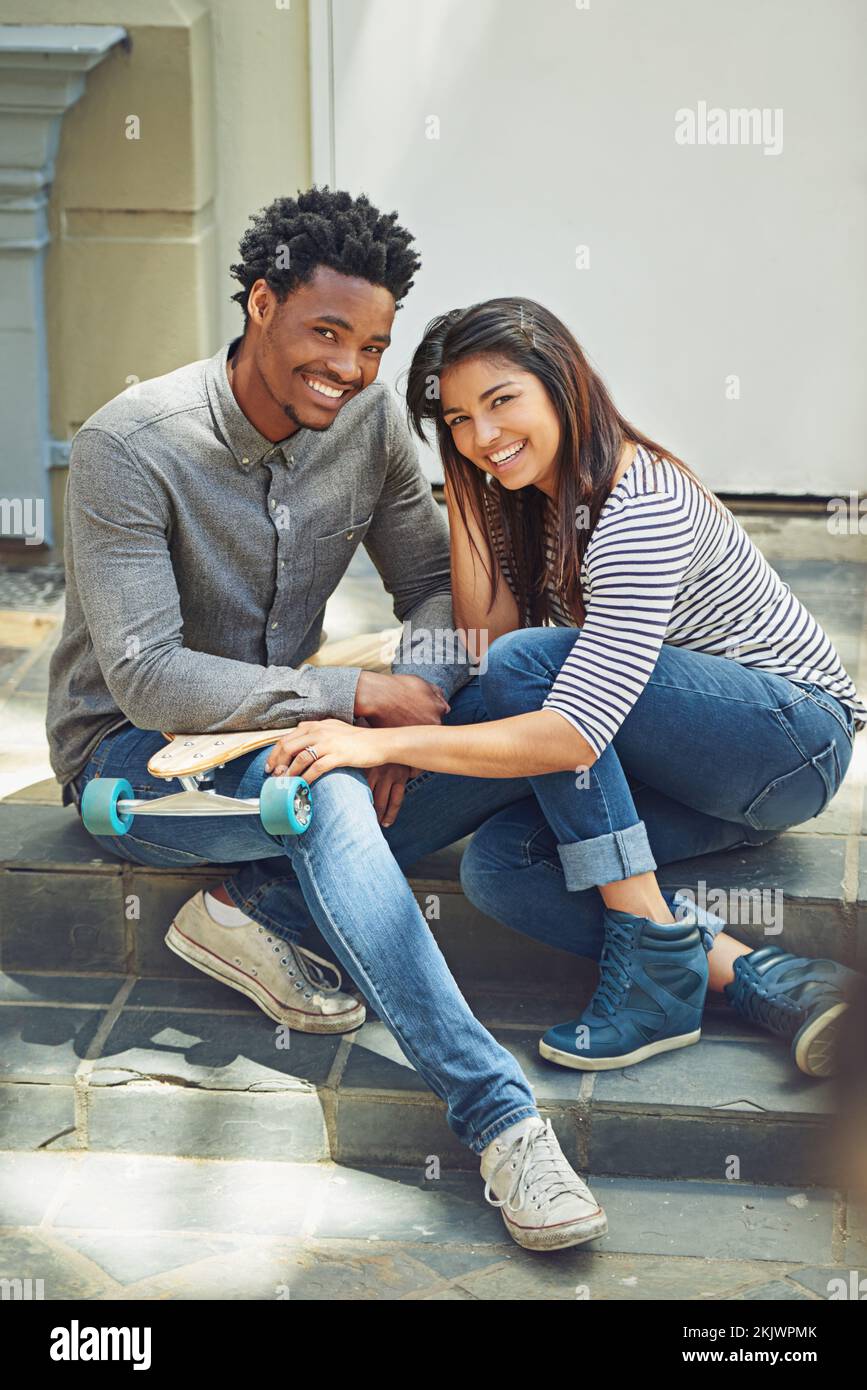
{"points": [[262, 121], [144, 230]]}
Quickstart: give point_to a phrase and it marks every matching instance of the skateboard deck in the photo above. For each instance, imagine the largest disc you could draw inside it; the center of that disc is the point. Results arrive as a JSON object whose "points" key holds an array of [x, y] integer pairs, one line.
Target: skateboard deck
{"points": [[187, 754]]}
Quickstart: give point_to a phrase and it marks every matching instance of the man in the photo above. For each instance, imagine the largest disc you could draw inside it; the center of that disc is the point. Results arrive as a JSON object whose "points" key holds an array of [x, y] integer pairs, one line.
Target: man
{"points": [[210, 515]]}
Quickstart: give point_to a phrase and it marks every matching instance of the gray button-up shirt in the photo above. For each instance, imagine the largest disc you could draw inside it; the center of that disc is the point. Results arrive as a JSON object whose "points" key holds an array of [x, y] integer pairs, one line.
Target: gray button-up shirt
{"points": [[200, 556]]}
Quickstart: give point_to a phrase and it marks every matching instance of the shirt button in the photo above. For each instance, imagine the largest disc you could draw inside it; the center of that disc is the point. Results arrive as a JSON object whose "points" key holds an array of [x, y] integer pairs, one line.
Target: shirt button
{"points": [[282, 564], [273, 624], [349, 535], [245, 460], [273, 503]]}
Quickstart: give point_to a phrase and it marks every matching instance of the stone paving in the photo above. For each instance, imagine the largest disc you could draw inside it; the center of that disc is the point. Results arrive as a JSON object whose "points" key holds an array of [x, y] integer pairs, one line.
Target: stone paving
{"points": [[102, 1226]]}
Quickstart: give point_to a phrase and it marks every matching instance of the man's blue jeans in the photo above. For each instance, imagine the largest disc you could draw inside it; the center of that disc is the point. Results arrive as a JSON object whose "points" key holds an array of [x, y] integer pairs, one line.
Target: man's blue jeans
{"points": [[712, 756], [342, 874]]}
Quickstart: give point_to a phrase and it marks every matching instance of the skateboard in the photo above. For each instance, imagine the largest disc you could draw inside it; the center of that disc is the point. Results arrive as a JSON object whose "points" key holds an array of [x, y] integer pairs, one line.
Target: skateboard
{"points": [[109, 806]]}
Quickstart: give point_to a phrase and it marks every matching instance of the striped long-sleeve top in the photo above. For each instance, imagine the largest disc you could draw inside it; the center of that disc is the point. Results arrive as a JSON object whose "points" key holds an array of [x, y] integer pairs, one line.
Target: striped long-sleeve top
{"points": [[663, 565]]}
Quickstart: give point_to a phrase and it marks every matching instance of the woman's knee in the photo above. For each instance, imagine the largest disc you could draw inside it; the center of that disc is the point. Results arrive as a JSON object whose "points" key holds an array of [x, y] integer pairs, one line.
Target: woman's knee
{"points": [[520, 668], [513, 839]]}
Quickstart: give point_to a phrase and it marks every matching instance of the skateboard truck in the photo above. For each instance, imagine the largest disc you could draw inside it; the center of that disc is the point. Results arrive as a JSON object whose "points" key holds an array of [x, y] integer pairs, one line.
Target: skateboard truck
{"points": [[109, 805]]}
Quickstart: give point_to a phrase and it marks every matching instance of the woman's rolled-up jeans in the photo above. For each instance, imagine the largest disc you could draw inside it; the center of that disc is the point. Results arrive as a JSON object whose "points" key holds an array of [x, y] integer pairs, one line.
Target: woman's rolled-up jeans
{"points": [[712, 756]]}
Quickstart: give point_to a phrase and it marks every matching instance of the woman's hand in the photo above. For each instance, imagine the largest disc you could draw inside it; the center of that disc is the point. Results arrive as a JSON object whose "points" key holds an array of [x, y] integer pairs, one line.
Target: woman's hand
{"points": [[335, 744]]}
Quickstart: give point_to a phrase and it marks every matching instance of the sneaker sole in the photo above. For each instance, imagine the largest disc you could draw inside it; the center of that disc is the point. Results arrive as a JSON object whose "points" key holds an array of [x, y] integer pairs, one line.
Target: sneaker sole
{"points": [[628, 1059], [815, 1046], [558, 1237], [220, 970]]}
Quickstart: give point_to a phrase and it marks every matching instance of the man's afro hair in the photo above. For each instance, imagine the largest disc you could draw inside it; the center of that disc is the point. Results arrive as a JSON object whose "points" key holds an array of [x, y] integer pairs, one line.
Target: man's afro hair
{"points": [[292, 236]]}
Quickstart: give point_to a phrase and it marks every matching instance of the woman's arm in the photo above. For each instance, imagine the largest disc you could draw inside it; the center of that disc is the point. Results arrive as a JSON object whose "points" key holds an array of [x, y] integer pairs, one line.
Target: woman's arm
{"points": [[480, 619], [525, 745]]}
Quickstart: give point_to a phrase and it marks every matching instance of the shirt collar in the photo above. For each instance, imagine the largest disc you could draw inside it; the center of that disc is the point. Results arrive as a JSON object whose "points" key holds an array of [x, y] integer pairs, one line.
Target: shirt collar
{"points": [[244, 441]]}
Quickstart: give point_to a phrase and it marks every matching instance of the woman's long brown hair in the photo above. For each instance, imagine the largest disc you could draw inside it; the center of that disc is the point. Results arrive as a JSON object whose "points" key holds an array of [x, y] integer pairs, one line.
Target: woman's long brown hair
{"points": [[528, 336]]}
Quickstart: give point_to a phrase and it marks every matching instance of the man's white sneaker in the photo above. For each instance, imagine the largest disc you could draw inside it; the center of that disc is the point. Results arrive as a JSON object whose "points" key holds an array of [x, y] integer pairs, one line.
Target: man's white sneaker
{"points": [[287, 982], [544, 1203]]}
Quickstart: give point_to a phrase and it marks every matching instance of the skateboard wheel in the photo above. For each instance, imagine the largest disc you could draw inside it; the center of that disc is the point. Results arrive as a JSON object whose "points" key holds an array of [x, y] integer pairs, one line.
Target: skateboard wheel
{"points": [[285, 807], [99, 811]]}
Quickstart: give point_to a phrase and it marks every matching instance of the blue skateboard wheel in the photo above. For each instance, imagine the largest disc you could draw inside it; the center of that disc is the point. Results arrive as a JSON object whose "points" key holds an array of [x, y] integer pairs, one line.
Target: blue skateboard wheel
{"points": [[99, 811], [285, 807]]}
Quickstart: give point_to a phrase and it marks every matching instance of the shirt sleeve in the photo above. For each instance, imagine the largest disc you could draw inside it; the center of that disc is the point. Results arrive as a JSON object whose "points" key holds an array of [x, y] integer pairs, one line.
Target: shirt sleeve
{"points": [[635, 563], [408, 542], [119, 528]]}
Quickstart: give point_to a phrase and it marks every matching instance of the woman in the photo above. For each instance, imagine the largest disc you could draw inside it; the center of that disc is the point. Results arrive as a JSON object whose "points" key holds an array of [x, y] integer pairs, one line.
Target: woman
{"points": [[683, 701]]}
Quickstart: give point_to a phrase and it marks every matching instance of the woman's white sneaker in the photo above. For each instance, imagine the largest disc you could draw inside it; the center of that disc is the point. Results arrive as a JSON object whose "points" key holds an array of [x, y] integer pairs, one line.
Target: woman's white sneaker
{"points": [[287, 982], [543, 1201]]}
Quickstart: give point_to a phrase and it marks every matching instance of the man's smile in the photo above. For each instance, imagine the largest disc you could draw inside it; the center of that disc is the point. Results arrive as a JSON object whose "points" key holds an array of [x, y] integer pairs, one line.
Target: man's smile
{"points": [[325, 391]]}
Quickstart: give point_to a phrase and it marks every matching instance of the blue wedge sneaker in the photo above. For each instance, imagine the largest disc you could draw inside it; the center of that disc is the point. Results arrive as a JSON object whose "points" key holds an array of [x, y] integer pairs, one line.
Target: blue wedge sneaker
{"points": [[651, 990], [799, 999]]}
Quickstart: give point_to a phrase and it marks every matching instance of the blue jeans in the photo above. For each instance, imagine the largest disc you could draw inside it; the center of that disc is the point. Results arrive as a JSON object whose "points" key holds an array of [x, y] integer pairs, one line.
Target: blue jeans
{"points": [[542, 847], [345, 874], [712, 756]]}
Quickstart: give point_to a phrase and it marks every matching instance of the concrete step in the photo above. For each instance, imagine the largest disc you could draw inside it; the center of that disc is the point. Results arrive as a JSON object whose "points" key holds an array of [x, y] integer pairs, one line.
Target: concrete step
{"points": [[113, 1044], [111, 1227], [190, 1068], [65, 904]]}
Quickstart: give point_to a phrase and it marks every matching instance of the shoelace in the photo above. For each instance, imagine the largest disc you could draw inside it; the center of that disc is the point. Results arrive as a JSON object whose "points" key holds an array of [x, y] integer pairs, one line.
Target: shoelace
{"points": [[614, 978], [783, 1015], [539, 1167], [309, 966]]}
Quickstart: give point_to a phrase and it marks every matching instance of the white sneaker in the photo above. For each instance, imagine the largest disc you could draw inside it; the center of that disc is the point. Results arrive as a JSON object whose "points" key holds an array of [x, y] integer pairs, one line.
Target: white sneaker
{"points": [[287, 982], [544, 1203]]}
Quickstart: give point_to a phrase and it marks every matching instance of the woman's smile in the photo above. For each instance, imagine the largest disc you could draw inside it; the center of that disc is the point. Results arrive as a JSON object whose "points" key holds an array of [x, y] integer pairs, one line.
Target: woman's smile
{"points": [[507, 454]]}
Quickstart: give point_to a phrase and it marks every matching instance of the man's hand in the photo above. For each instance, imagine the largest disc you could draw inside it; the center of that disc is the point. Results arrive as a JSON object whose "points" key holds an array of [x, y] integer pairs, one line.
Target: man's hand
{"points": [[387, 701], [388, 784]]}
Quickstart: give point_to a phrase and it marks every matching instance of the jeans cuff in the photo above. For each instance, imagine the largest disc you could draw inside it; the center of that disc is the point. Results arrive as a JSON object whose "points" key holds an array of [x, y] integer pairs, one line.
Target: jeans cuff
{"points": [[487, 1136], [617, 855]]}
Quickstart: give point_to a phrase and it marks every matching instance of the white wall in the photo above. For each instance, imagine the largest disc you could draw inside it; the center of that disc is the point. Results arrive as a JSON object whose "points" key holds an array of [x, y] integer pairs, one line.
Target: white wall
{"points": [[557, 128]]}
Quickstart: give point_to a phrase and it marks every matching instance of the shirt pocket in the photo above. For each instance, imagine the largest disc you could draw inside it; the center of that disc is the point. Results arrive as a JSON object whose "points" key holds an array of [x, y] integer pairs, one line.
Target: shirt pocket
{"points": [[332, 554]]}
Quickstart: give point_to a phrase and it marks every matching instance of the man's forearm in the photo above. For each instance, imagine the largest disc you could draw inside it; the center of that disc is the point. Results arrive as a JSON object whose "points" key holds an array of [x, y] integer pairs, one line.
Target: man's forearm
{"points": [[195, 692]]}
